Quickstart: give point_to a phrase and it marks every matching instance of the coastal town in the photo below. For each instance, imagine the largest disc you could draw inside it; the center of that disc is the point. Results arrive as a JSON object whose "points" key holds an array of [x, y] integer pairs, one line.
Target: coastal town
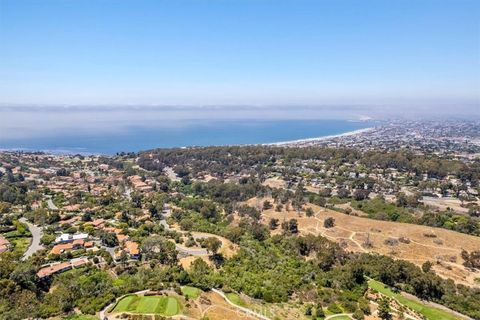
{"points": [[449, 137], [189, 215]]}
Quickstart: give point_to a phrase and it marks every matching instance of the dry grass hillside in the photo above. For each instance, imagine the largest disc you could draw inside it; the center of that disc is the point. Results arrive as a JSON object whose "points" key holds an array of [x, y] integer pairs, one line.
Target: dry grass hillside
{"points": [[410, 242]]}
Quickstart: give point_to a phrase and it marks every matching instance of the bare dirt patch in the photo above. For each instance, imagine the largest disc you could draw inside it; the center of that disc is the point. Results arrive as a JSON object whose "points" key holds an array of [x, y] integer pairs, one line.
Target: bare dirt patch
{"points": [[216, 308], [444, 203], [275, 183]]}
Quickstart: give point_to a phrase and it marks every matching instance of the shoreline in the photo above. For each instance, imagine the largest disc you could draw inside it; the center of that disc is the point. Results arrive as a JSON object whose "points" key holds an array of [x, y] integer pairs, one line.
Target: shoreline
{"points": [[345, 134], [66, 152]]}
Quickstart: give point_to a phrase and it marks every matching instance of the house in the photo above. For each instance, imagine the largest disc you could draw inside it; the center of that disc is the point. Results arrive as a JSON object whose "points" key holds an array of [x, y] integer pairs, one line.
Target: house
{"points": [[78, 244], [75, 245], [61, 248], [72, 208], [67, 238], [4, 244], [70, 221], [61, 267], [112, 230], [132, 250], [97, 223], [122, 238]]}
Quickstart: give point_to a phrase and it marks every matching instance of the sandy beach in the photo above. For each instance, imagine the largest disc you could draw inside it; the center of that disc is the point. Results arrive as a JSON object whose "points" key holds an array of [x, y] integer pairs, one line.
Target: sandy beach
{"points": [[350, 133]]}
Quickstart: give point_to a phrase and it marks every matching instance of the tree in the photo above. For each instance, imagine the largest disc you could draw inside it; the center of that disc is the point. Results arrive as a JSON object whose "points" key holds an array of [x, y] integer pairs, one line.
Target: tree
{"points": [[212, 244], [358, 315], [273, 224], [290, 227], [267, 205], [109, 239], [360, 194], [384, 309], [401, 200], [329, 222], [160, 249], [319, 313], [201, 274], [426, 266], [309, 212], [308, 310], [343, 193]]}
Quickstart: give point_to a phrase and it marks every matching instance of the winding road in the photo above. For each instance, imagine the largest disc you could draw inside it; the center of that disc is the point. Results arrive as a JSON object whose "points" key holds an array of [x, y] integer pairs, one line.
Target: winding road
{"points": [[37, 233], [51, 205], [182, 249]]}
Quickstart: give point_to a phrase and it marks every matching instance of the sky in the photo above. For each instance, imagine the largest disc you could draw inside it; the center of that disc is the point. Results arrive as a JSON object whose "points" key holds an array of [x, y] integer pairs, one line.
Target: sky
{"points": [[240, 52]]}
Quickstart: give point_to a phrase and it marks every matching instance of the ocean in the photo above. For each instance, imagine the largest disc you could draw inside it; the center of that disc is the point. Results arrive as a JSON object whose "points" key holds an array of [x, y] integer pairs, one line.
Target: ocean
{"points": [[108, 134]]}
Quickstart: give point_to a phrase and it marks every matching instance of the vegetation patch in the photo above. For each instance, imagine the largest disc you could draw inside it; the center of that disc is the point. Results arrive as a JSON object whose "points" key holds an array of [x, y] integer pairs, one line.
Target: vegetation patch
{"points": [[427, 311], [191, 292], [236, 299]]}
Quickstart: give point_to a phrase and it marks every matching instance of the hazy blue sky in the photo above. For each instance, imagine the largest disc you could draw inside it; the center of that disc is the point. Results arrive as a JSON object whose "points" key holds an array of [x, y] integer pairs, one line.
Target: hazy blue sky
{"points": [[239, 52]]}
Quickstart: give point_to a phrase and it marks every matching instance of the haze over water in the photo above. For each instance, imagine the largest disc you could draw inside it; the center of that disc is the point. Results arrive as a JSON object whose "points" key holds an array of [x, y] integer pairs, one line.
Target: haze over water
{"points": [[108, 131]]}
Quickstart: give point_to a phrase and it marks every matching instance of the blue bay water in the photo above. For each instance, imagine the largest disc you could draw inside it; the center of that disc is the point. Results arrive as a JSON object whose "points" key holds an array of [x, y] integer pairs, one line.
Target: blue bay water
{"points": [[95, 139]]}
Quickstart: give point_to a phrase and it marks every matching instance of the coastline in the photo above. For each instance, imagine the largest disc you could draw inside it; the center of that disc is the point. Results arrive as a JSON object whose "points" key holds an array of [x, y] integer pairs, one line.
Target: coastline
{"points": [[84, 151], [345, 134]]}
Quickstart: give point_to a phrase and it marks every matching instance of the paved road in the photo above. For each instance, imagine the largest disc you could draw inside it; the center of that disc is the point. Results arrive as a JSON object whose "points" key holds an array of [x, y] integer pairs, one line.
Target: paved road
{"points": [[110, 250], [185, 250], [171, 174], [37, 234], [51, 205], [191, 252]]}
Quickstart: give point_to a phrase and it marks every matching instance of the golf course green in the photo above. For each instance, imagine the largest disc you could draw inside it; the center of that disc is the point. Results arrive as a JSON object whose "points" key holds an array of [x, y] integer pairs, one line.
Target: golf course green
{"points": [[164, 305]]}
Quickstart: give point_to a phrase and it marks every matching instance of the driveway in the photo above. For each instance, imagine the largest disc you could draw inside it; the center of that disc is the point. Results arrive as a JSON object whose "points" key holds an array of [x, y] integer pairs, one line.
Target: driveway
{"points": [[37, 234]]}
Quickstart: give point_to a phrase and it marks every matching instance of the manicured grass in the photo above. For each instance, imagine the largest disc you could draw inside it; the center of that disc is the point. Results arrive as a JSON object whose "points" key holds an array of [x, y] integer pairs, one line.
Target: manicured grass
{"points": [[167, 306], [173, 307], [341, 318], [429, 312], [81, 317], [191, 292], [150, 304], [235, 298], [124, 304]]}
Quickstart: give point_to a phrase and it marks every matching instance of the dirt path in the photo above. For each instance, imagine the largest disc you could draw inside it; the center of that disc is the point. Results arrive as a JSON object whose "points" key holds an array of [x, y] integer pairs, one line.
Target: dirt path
{"points": [[245, 310]]}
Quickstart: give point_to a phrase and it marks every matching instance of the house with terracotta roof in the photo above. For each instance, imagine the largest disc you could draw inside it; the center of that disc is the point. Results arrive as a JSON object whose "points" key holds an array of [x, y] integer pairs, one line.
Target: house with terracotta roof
{"points": [[75, 245], [97, 223], [70, 221], [132, 249], [122, 238], [61, 248], [112, 230], [4, 244], [71, 208], [61, 267]]}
